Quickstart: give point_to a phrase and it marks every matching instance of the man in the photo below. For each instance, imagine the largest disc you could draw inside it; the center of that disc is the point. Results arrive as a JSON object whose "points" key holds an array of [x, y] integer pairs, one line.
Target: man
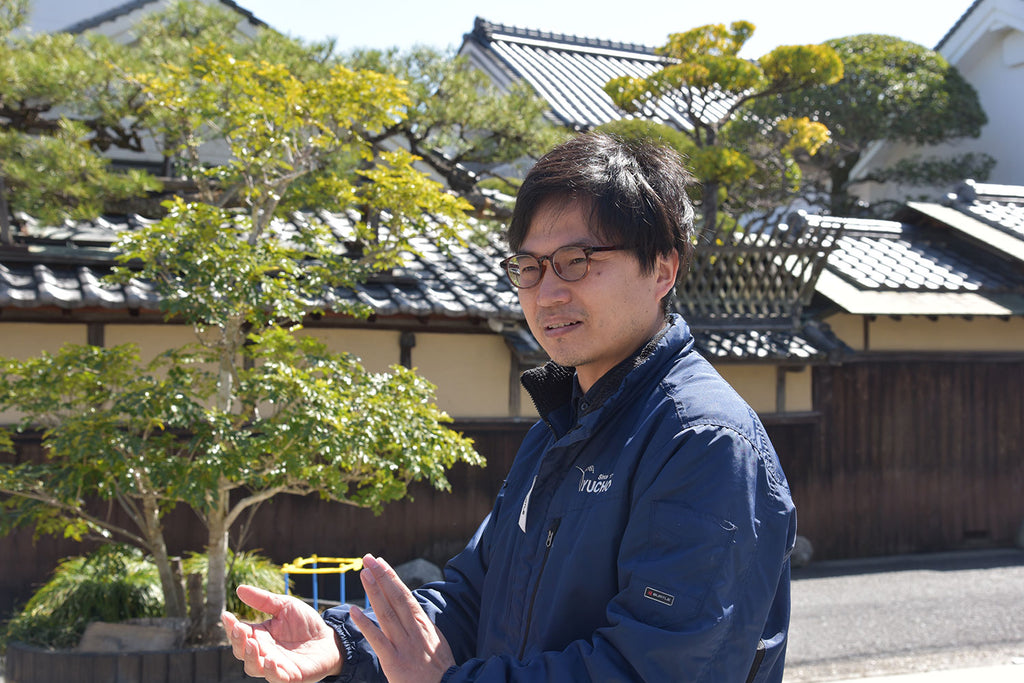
{"points": [[644, 530]]}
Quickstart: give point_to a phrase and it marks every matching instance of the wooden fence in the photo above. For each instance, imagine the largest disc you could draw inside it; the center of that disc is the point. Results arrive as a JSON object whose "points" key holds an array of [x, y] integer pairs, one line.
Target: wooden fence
{"points": [[912, 455], [431, 524], [901, 455]]}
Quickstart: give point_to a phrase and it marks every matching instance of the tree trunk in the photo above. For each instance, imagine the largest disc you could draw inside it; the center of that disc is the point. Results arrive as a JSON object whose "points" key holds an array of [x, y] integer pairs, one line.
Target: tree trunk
{"points": [[231, 341], [170, 581], [216, 571], [5, 216], [216, 519], [709, 207], [840, 201]]}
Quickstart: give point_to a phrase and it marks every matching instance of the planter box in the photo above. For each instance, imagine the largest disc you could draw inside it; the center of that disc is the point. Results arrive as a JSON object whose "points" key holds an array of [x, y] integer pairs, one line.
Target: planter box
{"points": [[27, 664]]}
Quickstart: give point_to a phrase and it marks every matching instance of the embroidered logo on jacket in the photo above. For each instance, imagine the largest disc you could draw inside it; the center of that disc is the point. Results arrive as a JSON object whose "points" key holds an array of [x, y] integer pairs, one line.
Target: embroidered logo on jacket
{"points": [[594, 483]]}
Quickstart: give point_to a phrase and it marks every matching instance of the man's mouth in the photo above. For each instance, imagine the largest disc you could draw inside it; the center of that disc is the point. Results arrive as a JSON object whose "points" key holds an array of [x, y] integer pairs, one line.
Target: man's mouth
{"points": [[557, 326]]}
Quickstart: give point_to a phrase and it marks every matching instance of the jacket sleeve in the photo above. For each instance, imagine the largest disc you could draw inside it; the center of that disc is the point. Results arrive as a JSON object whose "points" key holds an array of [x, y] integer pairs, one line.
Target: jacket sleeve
{"points": [[703, 575], [453, 604]]}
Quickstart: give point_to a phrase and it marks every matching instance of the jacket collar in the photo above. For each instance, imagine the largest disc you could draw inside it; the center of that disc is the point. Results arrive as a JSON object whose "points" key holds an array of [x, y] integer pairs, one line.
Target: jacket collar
{"points": [[551, 385]]}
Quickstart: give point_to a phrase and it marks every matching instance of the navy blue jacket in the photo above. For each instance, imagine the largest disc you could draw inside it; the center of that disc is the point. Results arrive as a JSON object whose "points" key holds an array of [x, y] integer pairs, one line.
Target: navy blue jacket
{"points": [[641, 535]]}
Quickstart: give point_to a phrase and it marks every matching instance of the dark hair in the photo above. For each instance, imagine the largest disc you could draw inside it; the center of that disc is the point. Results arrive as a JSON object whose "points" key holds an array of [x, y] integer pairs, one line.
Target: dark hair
{"points": [[636, 193]]}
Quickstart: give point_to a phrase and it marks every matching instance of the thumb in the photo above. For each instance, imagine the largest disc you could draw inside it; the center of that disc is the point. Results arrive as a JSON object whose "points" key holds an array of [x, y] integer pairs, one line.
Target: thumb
{"points": [[261, 599]]}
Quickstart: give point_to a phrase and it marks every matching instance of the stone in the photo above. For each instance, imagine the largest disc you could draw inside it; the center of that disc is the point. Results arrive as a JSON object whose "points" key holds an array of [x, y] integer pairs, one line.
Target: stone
{"points": [[803, 551], [138, 636], [417, 572]]}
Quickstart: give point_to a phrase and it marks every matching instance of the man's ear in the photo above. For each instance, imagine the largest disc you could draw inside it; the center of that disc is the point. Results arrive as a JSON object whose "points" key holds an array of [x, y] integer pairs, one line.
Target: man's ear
{"points": [[666, 268]]}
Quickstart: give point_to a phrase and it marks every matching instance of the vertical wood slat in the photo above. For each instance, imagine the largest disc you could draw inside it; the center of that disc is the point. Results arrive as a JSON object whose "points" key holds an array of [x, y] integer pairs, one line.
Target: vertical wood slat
{"points": [[129, 670], [154, 667]]}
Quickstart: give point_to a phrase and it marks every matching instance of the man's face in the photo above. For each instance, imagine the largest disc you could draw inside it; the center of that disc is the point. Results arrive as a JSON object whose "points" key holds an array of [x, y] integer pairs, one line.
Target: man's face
{"points": [[594, 323]]}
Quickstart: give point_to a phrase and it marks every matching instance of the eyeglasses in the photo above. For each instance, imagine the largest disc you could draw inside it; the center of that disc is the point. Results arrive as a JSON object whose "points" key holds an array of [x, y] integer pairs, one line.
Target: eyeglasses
{"points": [[571, 263]]}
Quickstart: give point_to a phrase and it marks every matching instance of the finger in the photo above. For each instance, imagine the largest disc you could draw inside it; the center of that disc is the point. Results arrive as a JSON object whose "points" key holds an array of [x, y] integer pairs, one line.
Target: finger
{"points": [[261, 600], [387, 583], [252, 659], [396, 588], [380, 643], [274, 672], [261, 664], [237, 632], [232, 624], [230, 621], [401, 598], [387, 617]]}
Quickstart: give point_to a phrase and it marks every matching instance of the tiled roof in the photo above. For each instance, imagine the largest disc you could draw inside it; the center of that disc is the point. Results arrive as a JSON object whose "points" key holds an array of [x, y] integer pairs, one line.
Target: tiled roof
{"points": [[1001, 206], [62, 267], [814, 341], [1008, 216], [569, 72], [893, 268], [990, 216], [891, 259]]}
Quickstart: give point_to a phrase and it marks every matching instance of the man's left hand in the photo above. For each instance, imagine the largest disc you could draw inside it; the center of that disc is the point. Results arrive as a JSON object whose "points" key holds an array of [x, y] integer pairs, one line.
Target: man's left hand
{"points": [[410, 648]]}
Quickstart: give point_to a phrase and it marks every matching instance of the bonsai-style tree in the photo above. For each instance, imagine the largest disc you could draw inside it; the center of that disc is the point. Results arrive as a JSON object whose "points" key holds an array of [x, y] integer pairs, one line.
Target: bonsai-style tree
{"points": [[466, 129], [710, 84], [49, 166], [252, 409], [891, 90]]}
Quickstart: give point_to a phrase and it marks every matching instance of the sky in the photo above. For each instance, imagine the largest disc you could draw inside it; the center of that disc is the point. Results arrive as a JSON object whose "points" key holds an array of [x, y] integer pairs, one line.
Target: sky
{"points": [[442, 23]]}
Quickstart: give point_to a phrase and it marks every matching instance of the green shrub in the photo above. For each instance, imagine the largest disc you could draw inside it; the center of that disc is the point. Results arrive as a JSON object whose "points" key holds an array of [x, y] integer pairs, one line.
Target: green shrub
{"points": [[116, 583], [244, 567]]}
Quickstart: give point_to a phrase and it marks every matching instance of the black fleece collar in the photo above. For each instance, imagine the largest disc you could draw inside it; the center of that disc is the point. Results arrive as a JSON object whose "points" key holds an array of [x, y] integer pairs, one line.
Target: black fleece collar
{"points": [[553, 386]]}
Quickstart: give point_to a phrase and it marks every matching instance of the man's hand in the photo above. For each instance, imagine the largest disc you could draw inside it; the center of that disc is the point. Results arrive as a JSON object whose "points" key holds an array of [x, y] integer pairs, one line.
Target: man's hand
{"points": [[294, 646], [408, 645]]}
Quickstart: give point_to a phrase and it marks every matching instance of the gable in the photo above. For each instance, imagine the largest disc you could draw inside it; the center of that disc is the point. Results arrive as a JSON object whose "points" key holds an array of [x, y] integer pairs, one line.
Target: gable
{"points": [[987, 46], [986, 24], [110, 17]]}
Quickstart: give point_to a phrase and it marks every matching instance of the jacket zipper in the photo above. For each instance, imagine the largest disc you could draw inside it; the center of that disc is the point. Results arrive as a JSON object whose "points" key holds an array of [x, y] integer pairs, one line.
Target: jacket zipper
{"points": [[536, 587]]}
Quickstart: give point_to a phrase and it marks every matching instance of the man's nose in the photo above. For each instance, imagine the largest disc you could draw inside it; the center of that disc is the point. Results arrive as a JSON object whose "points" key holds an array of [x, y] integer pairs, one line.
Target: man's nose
{"points": [[551, 288]]}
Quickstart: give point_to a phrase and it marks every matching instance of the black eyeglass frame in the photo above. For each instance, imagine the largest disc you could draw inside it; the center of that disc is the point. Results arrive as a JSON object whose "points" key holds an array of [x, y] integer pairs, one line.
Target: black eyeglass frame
{"points": [[587, 251]]}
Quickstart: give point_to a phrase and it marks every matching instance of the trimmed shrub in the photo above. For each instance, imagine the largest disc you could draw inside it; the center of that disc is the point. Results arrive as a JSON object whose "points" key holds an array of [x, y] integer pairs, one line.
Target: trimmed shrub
{"points": [[115, 583]]}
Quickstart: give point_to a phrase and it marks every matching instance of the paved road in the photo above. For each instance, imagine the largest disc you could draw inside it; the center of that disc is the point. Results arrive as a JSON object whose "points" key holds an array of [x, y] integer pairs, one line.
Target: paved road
{"points": [[906, 614]]}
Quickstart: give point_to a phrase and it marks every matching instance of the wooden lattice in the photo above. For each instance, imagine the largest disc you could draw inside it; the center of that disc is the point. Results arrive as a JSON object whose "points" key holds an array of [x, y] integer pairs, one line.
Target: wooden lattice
{"points": [[766, 278]]}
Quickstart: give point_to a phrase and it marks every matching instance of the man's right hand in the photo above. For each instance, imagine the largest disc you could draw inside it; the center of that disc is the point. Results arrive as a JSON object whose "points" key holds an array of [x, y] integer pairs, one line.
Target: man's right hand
{"points": [[294, 646]]}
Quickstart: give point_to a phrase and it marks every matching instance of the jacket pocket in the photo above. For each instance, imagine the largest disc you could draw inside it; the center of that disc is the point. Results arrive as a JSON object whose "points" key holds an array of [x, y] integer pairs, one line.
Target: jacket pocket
{"points": [[689, 548]]}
